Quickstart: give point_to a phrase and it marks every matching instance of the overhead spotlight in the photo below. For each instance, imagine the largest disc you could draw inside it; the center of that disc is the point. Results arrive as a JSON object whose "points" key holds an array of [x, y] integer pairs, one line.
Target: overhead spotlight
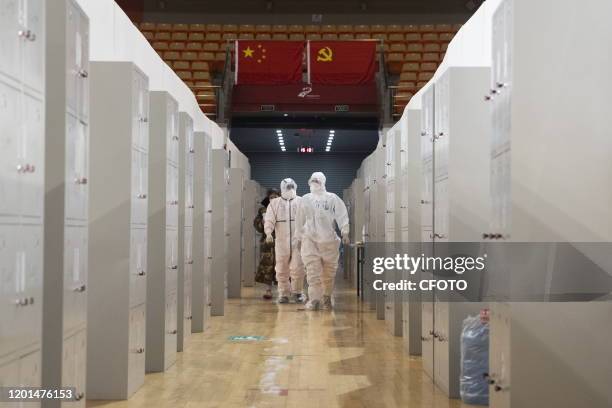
{"points": [[279, 131], [286, 114], [332, 131]]}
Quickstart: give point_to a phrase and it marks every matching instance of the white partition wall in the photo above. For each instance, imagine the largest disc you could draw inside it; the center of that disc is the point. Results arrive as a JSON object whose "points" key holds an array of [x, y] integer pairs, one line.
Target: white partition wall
{"points": [[378, 197], [186, 209], [208, 237], [22, 191], [353, 197], [117, 230], [460, 198], [550, 182], [219, 242], [410, 218], [162, 232], [393, 299], [251, 205], [349, 265], [426, 228], [75, 251], [370, 207], [234, 230], [200, 298]]}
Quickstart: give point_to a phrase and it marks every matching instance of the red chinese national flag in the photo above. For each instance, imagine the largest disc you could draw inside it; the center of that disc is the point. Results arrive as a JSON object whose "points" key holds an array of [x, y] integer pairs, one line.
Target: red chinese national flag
{"points": [[269, 62], [342, 62]]}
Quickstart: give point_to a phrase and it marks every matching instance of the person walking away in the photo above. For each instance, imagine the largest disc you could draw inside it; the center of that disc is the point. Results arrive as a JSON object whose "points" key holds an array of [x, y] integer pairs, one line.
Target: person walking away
{"points": [[265, 271], [279, 226], [319, 213]]}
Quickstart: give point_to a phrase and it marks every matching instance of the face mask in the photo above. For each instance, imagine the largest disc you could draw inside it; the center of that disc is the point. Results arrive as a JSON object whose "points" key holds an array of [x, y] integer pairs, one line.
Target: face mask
{"points": [[315, 187], [289, 194]]}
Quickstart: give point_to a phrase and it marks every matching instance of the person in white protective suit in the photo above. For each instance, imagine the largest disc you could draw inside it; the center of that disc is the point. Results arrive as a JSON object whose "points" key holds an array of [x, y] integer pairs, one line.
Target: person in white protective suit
{"points": [[319, 241], [281, 219]]}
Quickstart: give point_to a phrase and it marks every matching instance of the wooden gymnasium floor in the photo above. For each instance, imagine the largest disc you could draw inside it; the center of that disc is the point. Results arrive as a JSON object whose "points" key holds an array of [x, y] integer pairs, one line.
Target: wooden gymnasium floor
{"points": [[343, 358]]}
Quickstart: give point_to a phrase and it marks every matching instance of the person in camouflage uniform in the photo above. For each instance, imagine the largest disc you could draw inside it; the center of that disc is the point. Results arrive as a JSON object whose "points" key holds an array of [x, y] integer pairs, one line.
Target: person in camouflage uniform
{"points": [[266, 273]]}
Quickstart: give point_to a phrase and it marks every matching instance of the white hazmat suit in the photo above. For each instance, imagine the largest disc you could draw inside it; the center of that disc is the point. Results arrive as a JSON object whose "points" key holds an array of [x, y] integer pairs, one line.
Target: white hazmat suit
{"points": [[319, 241], [281, 218]]}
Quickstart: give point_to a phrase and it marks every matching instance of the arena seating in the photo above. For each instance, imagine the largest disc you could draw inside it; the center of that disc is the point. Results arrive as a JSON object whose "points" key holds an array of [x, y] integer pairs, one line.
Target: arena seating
{"points": [[197, 52]]}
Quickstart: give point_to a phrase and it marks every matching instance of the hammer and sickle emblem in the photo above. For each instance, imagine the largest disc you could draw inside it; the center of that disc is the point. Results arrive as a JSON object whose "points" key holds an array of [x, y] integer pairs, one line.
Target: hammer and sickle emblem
{"points": [[325, 55]]}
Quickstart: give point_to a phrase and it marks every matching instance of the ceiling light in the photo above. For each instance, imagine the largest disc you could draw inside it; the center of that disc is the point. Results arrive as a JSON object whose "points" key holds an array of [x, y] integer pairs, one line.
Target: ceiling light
{"points": [[286, 114], [332, 131], [327, 149]]}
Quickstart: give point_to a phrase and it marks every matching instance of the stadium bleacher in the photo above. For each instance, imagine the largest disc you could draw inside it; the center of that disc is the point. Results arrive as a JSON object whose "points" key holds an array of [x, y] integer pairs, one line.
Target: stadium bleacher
{"points": [[197, 52]]}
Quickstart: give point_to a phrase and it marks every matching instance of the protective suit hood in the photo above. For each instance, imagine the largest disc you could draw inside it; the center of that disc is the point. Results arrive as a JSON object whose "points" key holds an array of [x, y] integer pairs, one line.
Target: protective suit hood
{"points": [[317, 182], [288, 189]]}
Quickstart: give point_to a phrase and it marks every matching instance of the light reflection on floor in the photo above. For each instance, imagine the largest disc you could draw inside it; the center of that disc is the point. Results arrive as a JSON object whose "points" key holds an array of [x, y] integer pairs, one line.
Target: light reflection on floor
{"points": [[343, 358]]}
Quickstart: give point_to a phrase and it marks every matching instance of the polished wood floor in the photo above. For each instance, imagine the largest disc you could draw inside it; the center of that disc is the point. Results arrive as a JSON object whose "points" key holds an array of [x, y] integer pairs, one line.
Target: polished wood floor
{"points": [[343, 358]]}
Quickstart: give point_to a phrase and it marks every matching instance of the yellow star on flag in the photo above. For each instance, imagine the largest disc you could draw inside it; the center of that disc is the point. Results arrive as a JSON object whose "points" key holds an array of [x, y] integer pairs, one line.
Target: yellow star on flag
{"points": [[248, 53]]}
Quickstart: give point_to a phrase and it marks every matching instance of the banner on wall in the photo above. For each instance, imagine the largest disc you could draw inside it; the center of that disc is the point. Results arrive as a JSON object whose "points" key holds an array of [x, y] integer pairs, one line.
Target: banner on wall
{"points": [[268, 62], [341, 62]]}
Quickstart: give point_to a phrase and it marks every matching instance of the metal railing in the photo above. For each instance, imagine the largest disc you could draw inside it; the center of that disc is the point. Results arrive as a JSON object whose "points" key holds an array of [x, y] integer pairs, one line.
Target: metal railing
{"points": [[224, 100], [393, 91], [224, 91], [216, 89]]}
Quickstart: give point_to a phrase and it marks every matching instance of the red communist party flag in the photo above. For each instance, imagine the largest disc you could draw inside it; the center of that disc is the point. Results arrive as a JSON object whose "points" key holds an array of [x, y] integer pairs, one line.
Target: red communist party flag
{"points": [[269, 62], [341, 62]]}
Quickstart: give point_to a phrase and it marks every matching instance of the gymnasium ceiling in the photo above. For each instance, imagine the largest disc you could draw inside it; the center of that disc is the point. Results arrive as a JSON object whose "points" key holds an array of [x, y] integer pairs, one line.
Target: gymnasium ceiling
{"points": [[264, 139]]}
